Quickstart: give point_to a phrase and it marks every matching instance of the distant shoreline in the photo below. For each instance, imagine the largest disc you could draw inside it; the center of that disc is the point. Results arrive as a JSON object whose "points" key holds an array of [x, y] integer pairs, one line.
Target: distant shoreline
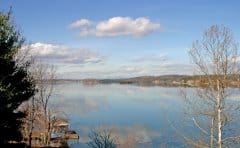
{"points": [[164, 81]]}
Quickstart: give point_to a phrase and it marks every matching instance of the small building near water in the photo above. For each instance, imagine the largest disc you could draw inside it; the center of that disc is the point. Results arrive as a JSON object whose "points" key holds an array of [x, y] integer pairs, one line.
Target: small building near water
{"points": [[61, 131]]}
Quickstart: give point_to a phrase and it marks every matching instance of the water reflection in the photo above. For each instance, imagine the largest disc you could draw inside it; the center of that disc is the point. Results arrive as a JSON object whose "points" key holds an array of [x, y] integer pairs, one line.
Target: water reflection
{"points": [[81, 105], [144, 113], [142, 134]]}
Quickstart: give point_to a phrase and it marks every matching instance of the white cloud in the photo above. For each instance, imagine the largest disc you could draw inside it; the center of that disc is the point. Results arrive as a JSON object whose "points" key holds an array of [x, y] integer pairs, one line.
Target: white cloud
{"points": [[82, 23], [61, 54], [117, 26]]}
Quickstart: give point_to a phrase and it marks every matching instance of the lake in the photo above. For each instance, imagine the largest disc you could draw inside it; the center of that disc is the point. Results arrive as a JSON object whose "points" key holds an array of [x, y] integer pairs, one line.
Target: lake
{"points": [[154, 116]]}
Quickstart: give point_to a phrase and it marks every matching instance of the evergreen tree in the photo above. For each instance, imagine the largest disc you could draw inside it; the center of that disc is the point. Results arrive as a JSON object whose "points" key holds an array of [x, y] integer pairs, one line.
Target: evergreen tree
{"points": [[15, 83]]}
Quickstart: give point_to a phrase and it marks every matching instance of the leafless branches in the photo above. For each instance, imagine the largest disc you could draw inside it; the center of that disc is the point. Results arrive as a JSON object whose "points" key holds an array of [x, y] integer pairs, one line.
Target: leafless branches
{"points": [[40, 117], [216, 60]]}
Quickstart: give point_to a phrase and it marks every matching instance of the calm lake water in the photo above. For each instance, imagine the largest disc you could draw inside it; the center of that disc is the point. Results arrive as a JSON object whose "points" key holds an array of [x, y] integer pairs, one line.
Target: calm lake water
{"points": [[155, 116]]}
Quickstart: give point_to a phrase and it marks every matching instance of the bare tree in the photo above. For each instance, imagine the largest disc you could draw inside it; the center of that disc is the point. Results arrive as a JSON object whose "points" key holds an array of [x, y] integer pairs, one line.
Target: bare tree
{"points": [[45, 79], [216, 60], [40, 117], [31, 109], [102, 138]]}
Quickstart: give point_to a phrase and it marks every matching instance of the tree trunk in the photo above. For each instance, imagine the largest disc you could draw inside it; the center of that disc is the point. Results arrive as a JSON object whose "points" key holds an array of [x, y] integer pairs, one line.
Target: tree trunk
{"points": [[30, 140], [212, 133], [219, 114]]}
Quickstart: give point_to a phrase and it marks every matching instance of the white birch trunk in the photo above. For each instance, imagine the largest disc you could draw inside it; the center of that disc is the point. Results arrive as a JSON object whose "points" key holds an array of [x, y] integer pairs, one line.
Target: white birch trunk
{"points": [[219, 112], [212, 133]]}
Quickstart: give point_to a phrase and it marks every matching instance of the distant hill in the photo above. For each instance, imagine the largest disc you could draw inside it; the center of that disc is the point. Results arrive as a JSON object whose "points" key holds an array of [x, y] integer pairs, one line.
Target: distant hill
{"points": [[164, 80]]}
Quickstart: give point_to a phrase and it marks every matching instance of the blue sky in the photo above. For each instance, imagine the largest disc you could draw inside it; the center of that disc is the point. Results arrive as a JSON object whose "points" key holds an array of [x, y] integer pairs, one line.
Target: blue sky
{"points": [[124, 38]]}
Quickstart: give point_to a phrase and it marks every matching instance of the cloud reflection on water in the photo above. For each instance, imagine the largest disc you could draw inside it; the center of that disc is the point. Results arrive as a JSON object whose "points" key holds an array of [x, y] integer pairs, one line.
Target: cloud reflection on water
{"points": [[130, 111], [141, 133], [81, 105]]}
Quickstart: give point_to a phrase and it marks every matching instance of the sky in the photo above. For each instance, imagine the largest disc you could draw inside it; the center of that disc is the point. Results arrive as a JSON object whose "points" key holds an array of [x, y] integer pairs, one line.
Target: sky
{"points": [[118, 39]]}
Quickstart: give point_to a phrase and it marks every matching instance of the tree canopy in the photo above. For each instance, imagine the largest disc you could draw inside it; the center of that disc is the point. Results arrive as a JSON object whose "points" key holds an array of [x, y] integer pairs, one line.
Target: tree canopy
{"points": [[15, 82]]}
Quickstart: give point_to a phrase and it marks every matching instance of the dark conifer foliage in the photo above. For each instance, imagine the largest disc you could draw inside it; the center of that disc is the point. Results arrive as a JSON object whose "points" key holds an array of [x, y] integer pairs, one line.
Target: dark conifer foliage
{"points": [[15, 83]]}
